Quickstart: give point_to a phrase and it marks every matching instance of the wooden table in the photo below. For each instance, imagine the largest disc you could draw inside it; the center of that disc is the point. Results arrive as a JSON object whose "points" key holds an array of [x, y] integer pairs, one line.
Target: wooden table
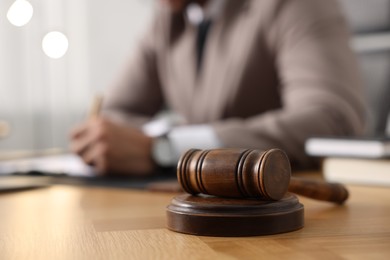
{"points": [[75, 222]]}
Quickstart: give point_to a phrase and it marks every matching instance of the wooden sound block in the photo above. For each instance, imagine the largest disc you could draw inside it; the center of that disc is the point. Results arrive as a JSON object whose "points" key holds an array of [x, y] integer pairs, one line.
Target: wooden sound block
{"points": [[214, 216]]}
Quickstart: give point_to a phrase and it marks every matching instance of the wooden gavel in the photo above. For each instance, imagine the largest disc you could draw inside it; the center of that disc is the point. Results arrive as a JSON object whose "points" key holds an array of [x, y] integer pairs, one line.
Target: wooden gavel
{"points": [[240, 173]]}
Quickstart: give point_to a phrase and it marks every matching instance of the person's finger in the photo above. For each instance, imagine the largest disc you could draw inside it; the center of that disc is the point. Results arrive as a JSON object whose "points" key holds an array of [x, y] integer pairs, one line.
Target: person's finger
{"points": [[78, 130], [92, 154], [95, 132], [97, 156], [101, 166], [80, 145]]}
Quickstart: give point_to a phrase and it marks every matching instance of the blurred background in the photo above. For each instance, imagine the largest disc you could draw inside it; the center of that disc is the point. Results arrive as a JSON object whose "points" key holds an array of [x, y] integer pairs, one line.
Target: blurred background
{"points": [[57, 54]]}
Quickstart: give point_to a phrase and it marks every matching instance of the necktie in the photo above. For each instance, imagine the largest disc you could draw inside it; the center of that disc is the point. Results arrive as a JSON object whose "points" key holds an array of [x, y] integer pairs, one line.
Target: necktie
{"points": [[203, 29]]}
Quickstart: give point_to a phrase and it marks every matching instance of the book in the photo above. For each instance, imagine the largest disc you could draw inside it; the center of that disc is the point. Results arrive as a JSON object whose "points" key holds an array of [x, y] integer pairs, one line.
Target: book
{"points": [[348, 147], [357, 171]]}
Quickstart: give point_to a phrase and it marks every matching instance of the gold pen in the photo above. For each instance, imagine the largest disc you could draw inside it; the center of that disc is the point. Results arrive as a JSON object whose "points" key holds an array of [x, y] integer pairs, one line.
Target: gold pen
{"points": [[96, 106]]}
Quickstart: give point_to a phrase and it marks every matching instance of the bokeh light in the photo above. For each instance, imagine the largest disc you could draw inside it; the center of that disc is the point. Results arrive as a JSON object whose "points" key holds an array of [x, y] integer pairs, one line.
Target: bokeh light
{"points": [[55, 44], [20, 13]]}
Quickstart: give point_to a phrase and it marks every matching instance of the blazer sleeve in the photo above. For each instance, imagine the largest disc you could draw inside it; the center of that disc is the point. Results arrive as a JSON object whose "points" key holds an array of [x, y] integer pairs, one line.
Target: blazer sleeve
{"points": [[320, 87], [136, 96]]}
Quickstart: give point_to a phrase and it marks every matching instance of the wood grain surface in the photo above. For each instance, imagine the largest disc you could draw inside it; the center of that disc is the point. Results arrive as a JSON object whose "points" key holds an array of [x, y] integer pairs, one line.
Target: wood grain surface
{"points": [[69, 222]]}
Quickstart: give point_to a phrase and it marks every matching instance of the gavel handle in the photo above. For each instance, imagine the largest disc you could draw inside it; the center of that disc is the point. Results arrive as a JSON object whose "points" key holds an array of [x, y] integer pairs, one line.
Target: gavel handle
{"points": [[319, 190]]}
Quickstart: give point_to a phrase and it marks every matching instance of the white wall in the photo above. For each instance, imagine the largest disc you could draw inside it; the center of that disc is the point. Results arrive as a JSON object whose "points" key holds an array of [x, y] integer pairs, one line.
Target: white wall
{"points": [[114, 27], [43, 98]]}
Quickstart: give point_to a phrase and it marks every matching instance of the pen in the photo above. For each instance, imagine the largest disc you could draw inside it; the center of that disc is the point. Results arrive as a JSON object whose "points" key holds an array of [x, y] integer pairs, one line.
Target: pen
{"points": [[96, 106]]}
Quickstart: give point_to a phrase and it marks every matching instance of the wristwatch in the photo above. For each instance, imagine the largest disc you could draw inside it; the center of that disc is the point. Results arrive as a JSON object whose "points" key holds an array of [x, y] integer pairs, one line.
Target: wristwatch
{"points": [[162, 152]]}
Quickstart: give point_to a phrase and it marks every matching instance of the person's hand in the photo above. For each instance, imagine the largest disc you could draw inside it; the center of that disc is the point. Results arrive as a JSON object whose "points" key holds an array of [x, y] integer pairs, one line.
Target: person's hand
{"points": [[113, 148]]}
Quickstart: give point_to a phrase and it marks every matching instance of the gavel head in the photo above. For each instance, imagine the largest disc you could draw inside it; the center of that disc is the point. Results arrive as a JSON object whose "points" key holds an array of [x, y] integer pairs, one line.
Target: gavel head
{"points": [[235, 173]]}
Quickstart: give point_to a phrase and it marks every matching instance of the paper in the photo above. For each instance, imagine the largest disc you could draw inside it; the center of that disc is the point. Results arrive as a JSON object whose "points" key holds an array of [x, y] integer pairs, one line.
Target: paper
{"points": [[68, 164]]}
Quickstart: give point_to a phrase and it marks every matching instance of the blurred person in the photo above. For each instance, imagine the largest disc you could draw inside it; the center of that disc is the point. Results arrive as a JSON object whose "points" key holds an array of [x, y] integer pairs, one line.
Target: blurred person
{"points": [[232, 73]]}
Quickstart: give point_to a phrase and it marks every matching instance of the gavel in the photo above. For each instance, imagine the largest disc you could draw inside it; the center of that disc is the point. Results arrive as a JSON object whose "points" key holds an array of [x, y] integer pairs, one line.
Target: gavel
{"points": [[249, 173]]}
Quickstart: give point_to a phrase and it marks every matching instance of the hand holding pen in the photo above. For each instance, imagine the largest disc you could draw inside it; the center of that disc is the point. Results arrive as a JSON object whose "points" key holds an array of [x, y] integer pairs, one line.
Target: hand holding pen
{"points": [[110, 147]]}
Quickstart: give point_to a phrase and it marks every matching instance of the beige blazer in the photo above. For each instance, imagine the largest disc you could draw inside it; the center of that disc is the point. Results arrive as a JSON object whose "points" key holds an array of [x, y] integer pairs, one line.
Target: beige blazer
{"points": [[274, 73]]}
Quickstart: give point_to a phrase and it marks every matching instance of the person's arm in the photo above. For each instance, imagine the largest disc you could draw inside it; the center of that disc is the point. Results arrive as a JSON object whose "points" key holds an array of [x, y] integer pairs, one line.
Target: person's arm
{"points": [[320, 85]]}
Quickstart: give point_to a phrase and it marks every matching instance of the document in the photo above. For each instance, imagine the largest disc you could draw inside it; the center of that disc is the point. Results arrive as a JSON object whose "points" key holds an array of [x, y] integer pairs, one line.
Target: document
{"points": [[63, 164]]}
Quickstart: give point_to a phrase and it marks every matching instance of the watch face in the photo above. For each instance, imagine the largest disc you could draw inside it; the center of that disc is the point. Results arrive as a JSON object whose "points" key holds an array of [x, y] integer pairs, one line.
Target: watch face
{"points": [[163, 152]]}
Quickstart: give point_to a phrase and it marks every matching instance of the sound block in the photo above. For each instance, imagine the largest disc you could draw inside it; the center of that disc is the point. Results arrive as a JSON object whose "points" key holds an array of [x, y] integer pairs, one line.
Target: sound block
{"points": [[214, 216]]}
